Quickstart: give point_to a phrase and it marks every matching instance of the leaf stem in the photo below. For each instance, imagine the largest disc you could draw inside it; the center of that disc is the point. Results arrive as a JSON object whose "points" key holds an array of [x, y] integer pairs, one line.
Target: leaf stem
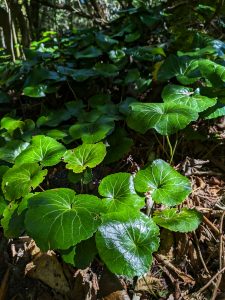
{"points": [[172, 149]]}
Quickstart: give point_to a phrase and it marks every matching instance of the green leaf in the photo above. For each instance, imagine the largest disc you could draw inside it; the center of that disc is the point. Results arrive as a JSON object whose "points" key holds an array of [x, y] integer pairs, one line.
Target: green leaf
{"points": [[86, 155], [165, 118], [3, 205], [85, 253], [131, 37], [68, 255], [106, 70], [90, 52], [117, 55], [37, 91], [104, 41], [92, 132], [184, 95], [212, 71], [20, 179], [119, 193], [11, 124], [59, 219], [184, 68], [116, 150], [164, 183], [184, 221], [43, 149], [215, 112], [126, 241], [12, 222], [12, 149], [132, 76]]}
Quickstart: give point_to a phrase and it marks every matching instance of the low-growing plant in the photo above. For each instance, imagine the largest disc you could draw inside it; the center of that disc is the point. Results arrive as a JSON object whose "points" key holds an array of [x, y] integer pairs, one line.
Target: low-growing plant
{"points": [[74, 110]]}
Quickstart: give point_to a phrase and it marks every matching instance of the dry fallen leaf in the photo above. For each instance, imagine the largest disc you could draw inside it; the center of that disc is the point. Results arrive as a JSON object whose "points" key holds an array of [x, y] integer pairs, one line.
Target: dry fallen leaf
{"points": [[46, 267]]}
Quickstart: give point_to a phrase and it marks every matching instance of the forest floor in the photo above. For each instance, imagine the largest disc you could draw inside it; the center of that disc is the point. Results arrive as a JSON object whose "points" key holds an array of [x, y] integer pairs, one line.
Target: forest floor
{"points": [[187, 266]]}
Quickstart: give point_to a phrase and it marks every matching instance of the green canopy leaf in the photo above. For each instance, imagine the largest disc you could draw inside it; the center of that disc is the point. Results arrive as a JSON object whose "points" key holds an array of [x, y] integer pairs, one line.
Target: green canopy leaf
{"points": [[126, 241], [59, 219], [184, 95], [43, 149], [184, 221], [164, 183], [119, 193], [20, 179], [165, 118], [86, 155]]}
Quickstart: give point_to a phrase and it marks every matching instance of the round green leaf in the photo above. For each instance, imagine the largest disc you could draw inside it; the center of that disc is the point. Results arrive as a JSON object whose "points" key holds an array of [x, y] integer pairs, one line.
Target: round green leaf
{"points": [[36, 91], [119, 193], [166, 185], [20, 179], [126, 241], [91, 132], [165, 118], [106, 70], [86, 155], [12, 149], [184, 95], [43, 149], [184, 221], [59, 219], [184, 68]]}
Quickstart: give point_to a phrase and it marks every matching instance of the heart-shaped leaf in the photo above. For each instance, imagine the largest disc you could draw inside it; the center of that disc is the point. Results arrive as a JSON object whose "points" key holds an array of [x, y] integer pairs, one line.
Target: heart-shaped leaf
{"points": [[86, 155], [166, 185], [12, 149], [184, 95], [184, 68], [119, 193], [184, 221], [126, 241], [165, 118], [20, 179], [59, 219], [92, 132], [212, 71], [106, 70], [90, 52], [43, 149]]}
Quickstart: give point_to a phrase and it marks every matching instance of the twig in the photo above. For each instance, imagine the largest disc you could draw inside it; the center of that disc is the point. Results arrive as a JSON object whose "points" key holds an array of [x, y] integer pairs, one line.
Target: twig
{"points": [[210, 281], [212, 226], [221, 257], [200, 254], [185, 277]]}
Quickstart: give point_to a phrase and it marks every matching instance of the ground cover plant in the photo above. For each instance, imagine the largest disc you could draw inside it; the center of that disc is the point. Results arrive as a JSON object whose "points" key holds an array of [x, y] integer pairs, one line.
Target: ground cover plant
{"points": [[81, 119]]}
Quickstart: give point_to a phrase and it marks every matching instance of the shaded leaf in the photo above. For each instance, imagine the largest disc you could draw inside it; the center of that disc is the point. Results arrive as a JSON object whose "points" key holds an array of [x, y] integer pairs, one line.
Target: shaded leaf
{"points": [[20, 179]]}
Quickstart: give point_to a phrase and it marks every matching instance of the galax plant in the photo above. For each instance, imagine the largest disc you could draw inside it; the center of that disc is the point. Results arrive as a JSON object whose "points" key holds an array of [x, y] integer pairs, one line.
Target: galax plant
{"points": [[75, 109]]}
